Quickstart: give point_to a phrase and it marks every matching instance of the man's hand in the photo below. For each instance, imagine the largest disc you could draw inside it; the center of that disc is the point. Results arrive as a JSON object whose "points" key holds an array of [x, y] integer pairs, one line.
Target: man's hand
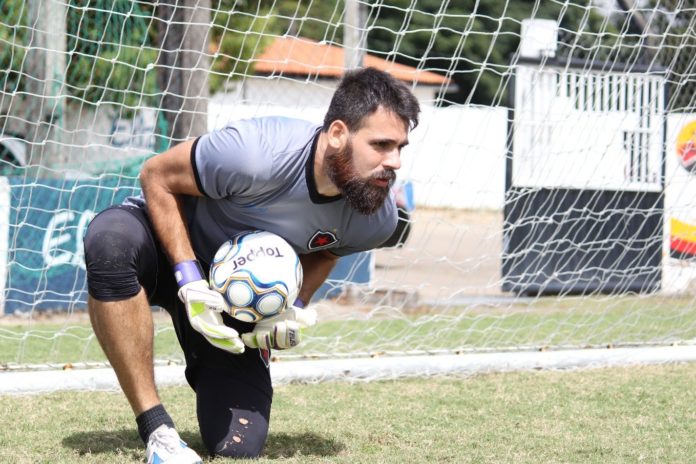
{"points": [[204, 309], [282, 331]]}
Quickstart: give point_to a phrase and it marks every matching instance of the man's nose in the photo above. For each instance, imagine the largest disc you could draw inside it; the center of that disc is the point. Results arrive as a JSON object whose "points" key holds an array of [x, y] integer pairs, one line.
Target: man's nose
{"points": [[392, 159]]}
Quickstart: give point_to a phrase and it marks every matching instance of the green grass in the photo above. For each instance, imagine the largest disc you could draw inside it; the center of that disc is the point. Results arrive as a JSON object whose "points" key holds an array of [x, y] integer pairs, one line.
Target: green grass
{"points": [[58, 343], [628, 415], [543, 323]]}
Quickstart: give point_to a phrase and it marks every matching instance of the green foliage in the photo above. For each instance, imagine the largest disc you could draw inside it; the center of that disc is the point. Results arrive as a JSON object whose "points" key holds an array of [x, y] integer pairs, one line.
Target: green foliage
{"points": [[660, 35], [13, 35], [111, 46], [674, 33], [475, 41], [117, 76], [109, 43], [112, 42], [241, 30], [471, 41], [320, 21]]}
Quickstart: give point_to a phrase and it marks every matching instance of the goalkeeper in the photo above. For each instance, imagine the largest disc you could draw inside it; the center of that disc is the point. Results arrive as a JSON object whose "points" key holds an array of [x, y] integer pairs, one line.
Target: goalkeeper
{"points": [[324, 188]]}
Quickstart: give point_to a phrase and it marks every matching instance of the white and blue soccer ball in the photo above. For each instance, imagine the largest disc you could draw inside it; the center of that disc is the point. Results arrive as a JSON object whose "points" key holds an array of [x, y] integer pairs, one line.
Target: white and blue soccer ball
{"points": [[258, 273]]}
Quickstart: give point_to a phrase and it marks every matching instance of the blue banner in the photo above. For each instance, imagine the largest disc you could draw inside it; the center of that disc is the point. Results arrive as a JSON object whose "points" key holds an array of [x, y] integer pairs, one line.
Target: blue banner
{"points": [[353, 269], [47, 221]]}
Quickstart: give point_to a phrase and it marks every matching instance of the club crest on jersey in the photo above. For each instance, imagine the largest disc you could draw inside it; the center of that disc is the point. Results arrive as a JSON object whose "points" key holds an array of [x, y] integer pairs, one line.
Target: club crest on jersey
{"points": [[321, 239]]}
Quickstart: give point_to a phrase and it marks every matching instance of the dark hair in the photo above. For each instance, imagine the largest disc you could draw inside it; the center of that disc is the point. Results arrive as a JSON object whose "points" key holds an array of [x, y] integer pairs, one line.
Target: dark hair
{"points": [[362, 91]]}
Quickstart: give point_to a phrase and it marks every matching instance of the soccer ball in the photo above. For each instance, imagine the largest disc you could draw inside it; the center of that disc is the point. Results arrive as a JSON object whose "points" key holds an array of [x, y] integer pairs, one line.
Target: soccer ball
{"points": [[258, 273]]}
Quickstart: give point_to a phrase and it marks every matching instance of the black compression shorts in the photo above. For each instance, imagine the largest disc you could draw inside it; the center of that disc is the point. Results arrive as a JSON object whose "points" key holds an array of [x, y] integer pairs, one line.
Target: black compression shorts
{"points": [[234, 392]]}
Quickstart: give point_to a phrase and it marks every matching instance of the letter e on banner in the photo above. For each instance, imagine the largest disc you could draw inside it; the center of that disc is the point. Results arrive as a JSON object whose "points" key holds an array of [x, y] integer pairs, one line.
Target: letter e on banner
{"points": [[54, 251], [53, 239]]}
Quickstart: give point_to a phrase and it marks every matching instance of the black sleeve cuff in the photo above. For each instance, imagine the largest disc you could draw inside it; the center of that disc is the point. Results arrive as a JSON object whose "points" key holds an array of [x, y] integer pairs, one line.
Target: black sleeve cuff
{"points": [[199, 184]]}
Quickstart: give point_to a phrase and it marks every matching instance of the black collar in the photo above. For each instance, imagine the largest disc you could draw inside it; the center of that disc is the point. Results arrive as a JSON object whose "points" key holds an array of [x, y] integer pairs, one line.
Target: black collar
{"points": [[314, 195]]}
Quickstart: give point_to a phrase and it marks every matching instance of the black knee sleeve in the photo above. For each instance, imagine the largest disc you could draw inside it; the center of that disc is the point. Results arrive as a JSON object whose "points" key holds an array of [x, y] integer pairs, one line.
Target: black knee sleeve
{"points": [[119, 249], [233, 416]]}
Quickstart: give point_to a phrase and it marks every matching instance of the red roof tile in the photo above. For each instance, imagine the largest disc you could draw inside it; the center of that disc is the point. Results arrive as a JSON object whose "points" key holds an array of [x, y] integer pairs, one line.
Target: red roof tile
{"points": [[300, 56]]}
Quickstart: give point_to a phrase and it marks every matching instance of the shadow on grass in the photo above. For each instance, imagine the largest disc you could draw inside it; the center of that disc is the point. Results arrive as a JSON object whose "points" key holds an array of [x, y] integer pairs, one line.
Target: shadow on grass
{"points": [[127, 441], [124, 441], [286, 445]]}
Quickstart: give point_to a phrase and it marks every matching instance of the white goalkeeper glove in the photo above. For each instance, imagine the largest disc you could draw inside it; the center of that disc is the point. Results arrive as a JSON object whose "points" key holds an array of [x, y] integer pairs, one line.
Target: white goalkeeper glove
{"points": [[204, 308], [282, 331]]}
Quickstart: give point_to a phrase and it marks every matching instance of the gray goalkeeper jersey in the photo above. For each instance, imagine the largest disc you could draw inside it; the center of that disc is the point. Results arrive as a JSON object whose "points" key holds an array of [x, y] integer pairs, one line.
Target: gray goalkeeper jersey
{"points": [[259, 174]]}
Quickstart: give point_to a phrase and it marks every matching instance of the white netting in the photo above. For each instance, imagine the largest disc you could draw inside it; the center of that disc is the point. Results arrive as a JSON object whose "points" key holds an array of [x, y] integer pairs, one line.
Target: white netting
{"points": [[548, 189]]}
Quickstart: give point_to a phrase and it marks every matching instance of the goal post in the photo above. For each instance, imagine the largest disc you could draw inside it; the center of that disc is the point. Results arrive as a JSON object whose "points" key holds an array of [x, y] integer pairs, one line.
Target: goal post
{"points": [[547, 200]]}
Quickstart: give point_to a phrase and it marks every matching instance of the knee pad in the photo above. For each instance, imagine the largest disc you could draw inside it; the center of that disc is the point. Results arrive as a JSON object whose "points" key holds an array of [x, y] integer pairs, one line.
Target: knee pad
{"points": [[116, 245]]}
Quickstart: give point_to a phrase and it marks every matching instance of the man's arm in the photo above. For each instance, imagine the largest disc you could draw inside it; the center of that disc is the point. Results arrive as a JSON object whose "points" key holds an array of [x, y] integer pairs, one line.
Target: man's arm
{"points": [[315, 268], [164, 178]]}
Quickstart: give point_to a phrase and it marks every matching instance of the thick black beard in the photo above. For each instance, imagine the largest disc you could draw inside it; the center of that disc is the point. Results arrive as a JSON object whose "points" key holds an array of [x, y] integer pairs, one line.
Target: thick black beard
{"points": [[363, 196], [360, 193]]}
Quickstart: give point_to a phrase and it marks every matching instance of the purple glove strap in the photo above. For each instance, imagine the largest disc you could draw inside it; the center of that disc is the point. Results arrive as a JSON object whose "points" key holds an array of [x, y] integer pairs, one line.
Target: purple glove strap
{"points": [[299, 303], [187, 271]]}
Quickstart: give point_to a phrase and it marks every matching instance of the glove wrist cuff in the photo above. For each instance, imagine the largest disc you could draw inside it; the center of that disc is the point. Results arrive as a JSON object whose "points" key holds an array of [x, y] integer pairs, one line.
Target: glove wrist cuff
{"points": [[187, 271], [299, 303]]}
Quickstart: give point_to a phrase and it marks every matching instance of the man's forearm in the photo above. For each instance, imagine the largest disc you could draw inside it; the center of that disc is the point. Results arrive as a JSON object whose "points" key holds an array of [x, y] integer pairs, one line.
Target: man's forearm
{"points": [[164, 210], [164, 179]]}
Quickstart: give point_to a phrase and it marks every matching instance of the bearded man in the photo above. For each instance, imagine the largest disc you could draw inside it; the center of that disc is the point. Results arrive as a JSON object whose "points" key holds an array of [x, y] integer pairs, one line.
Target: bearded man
{"points": [[324, 189]]}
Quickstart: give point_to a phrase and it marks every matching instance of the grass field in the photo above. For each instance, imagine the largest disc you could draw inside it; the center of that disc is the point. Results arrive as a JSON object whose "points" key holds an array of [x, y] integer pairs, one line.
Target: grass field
{"points": [[626, 415], [637, 414]]}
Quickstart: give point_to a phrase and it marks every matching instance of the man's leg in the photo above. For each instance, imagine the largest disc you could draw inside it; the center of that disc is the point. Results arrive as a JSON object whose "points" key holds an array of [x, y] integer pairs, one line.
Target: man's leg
{"points": [[122, 263], [125, 331], [233, 415]]}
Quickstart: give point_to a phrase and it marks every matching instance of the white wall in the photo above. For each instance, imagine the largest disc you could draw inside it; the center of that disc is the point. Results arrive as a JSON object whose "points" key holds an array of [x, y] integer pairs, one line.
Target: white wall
{"points": [[457, 158], [294, 92]]}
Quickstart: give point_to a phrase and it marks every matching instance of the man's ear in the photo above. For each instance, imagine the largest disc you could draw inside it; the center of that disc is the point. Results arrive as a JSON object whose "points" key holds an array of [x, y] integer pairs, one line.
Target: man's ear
{"points": [[338, 135]]}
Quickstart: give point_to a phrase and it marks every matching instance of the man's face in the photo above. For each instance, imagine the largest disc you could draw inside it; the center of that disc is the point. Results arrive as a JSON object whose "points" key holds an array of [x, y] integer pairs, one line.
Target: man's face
{"points": [[365, 169]]}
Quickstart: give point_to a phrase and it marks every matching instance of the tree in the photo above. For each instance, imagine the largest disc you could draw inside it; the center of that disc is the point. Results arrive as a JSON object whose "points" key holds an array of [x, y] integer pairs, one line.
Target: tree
{"points": [[674, 23], [13, 33], [113, 43], [474, 42], [240, 30], [109, 45], [243, 28], [111, 51]]}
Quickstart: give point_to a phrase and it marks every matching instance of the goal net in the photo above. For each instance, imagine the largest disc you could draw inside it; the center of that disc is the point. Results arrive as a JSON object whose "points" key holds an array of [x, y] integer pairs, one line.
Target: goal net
{"points": [[546, 198]]}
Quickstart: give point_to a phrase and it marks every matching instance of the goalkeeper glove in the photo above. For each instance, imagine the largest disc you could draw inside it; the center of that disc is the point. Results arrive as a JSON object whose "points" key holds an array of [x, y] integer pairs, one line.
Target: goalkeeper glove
{"points": [[204, 308], [282, 331]]}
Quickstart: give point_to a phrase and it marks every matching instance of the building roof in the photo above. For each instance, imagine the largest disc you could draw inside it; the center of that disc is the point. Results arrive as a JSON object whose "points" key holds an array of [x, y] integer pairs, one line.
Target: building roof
{"points": [[301, 56]]}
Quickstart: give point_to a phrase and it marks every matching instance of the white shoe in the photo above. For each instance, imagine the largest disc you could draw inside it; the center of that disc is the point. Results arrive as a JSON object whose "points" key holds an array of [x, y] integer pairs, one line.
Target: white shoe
{"points": [[165, 447]]}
